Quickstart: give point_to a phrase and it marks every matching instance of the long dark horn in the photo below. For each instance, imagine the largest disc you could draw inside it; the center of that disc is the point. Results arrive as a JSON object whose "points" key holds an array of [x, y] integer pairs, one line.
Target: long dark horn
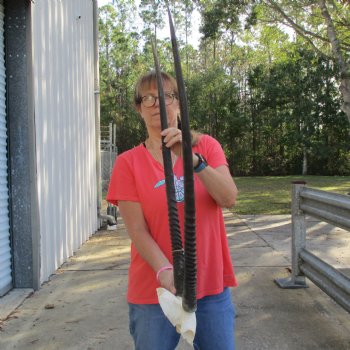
{"points": [[189, 301], [175, 233]]}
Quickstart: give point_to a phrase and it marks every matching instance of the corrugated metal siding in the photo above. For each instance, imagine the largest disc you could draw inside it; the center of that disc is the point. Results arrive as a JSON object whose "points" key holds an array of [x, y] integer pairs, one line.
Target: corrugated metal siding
{"points": [[65, 127], [5, 250]]}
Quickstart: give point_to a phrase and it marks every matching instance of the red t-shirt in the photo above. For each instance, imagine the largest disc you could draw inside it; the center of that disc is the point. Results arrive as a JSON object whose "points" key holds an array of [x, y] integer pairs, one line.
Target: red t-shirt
{"points": [[138, 177]]}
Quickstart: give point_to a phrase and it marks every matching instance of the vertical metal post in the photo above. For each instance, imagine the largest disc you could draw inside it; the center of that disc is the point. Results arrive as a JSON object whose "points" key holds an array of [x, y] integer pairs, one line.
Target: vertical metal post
{"points": [[110, 148], [111, 209], [110, 136], [114, 137], [297, 279], [298, 233]]}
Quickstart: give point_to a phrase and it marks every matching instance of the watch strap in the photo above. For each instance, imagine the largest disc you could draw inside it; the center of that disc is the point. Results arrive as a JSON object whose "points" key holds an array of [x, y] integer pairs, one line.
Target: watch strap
{"points": [[202, 163]]}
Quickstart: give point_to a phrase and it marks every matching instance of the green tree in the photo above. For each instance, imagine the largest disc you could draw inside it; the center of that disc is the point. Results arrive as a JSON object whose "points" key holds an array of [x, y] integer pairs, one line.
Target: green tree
{"points": [[270, 98], [321, 25], [119, 63], [152, 13]]}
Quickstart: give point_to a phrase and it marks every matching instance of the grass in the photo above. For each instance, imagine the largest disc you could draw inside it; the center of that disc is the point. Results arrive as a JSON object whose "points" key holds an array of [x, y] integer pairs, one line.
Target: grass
{"points": [[272, 194]]}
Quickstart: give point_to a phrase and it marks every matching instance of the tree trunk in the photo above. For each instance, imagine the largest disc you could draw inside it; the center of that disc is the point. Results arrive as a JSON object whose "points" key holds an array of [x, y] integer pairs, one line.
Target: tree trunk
{"points": [[304, 172], [343, 66]]}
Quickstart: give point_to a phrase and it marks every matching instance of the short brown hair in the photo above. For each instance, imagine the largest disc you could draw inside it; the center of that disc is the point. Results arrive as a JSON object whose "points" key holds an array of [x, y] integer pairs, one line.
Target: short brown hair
{"points": [[148, 80]]}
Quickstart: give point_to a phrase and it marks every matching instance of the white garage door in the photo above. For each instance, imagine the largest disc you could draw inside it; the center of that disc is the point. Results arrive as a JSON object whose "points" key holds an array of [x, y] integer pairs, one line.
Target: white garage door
{"points": [[5, 249]]}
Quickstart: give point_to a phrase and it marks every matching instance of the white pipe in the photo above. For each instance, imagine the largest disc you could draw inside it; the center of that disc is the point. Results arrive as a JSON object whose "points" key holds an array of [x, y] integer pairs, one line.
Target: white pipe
{"points": [[97, 110]]}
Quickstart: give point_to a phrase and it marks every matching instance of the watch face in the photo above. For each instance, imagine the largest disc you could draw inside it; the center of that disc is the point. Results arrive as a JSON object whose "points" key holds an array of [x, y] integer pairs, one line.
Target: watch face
{"points": [[202, 159]]}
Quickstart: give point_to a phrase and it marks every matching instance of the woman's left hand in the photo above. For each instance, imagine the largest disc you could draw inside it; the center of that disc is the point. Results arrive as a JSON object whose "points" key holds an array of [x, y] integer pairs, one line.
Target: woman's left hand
{"points": [[173, 139]]}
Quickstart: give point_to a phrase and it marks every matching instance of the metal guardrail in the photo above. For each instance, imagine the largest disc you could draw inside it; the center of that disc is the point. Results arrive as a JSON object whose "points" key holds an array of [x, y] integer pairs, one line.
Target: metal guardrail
{"points": [[325, 206]]}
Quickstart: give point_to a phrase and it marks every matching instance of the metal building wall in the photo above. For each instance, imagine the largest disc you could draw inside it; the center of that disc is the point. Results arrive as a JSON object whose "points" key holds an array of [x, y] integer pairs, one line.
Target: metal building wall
{"points": [[63, 55]]}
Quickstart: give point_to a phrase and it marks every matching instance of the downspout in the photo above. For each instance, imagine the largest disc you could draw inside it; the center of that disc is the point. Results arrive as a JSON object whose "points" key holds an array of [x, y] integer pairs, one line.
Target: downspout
{"points": [[102, 217], [97, 108]]}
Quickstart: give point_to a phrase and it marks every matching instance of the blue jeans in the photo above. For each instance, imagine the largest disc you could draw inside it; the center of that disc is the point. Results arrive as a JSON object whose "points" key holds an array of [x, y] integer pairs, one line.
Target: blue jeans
{"points": [[215, 314]]}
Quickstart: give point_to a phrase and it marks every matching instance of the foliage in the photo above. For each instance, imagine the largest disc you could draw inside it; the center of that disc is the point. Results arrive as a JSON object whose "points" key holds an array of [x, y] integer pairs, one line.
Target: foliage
{"points": [[270, 98], [321, 25]]}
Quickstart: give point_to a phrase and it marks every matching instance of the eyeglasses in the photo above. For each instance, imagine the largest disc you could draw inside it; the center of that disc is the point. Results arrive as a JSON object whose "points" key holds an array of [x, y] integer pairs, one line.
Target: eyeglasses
{"points": [[150, 100]]}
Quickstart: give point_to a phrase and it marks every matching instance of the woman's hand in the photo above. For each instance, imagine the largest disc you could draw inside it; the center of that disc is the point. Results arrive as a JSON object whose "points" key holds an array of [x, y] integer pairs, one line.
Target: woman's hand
{"points": [[173, 140], [166, 280]]}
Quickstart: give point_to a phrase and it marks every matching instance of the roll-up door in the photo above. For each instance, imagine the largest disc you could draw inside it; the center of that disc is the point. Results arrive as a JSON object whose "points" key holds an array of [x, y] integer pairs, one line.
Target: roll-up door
{"points": [[5, 248]]}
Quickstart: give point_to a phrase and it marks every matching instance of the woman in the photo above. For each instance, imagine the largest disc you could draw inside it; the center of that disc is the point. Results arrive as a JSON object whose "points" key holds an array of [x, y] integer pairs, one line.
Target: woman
{"points": [[137, 186]]}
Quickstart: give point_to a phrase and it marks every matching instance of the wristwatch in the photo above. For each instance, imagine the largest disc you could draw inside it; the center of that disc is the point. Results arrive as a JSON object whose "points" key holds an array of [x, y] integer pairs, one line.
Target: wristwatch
{"points": [[202, 163]]}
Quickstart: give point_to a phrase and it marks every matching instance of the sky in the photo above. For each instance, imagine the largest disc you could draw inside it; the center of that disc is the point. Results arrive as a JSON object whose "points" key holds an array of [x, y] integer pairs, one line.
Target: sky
{"points": [[165, 32]]}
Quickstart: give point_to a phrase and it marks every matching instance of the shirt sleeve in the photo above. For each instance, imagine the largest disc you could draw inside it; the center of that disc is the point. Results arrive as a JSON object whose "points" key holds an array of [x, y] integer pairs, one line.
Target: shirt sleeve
{"points": [[122, 184], [212, 151]]}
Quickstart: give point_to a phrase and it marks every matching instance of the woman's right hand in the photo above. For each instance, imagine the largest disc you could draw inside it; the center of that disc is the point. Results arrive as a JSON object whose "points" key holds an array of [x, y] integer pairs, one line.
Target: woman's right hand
{"points": [[173, 140], [166, 280]]}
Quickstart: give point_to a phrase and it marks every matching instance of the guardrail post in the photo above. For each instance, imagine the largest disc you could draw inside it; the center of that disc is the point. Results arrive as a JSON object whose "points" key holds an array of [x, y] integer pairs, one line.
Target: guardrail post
{"points": [[297, 279]]}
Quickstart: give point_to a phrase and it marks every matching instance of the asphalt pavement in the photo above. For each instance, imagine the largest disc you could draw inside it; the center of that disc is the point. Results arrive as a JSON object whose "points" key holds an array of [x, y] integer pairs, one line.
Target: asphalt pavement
{"points": [[83, 305]]}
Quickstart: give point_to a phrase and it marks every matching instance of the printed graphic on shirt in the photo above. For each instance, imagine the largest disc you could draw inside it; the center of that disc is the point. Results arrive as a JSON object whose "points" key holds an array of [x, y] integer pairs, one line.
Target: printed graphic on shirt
{"points": [[179, 187]]}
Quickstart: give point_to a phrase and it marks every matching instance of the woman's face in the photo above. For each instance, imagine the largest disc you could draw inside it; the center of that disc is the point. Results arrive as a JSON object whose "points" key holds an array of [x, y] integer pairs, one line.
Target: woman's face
{"points": [[151, 115]]}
